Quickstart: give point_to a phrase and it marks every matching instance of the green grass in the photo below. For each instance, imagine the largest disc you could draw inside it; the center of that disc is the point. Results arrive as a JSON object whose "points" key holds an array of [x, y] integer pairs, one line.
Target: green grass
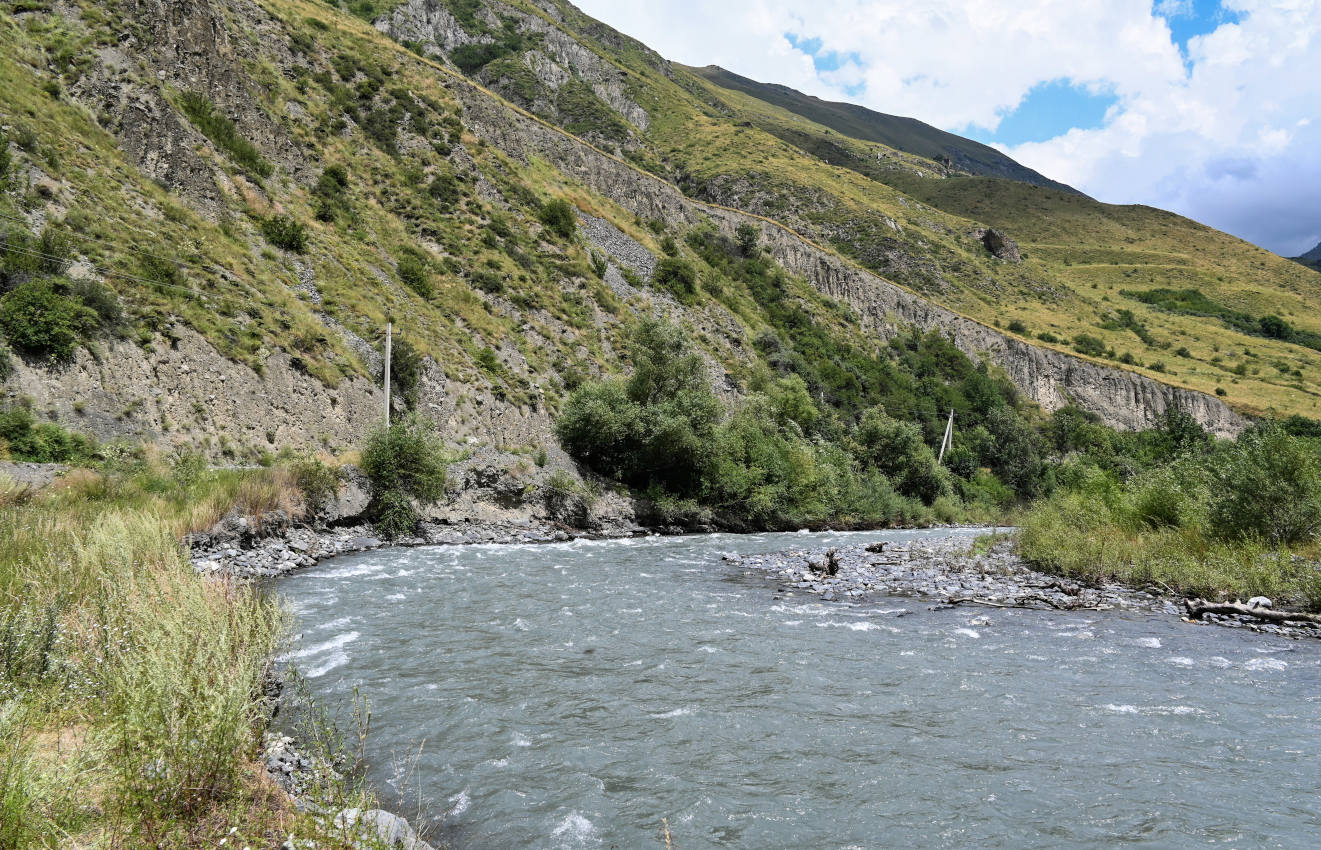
{"points": [[130, 686], [223, 133]]}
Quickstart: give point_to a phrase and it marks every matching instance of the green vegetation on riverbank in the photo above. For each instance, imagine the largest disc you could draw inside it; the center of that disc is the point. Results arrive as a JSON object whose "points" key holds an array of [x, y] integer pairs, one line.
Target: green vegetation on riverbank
{"points": [[1185, 514], [781, 459], [131, 704]]}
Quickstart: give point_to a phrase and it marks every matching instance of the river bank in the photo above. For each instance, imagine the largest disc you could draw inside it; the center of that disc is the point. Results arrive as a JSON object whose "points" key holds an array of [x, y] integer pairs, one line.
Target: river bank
{"points": [[950, 572]]}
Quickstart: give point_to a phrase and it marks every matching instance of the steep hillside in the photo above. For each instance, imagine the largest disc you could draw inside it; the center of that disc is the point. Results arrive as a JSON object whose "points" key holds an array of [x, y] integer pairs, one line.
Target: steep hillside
{"points": [[213, 209], [858, 122], [891, 212]]}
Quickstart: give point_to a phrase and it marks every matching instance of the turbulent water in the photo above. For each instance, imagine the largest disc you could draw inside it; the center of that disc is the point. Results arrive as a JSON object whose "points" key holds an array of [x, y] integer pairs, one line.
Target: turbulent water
{"points": [[575, 695]]}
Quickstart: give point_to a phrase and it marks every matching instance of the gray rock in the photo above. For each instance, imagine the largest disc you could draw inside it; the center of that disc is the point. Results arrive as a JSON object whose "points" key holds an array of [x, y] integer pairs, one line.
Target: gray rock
{"points": [[376, 827], [1260, 602]]}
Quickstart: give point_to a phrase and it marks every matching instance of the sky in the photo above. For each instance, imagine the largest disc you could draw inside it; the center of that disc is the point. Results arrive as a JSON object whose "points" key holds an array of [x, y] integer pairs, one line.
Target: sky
{"points": [[1208, 108]]}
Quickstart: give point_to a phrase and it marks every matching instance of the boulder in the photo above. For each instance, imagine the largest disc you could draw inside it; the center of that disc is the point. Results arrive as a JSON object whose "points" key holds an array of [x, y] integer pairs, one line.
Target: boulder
{"points": [[352, 497], [378, 828], [1000, 245]]}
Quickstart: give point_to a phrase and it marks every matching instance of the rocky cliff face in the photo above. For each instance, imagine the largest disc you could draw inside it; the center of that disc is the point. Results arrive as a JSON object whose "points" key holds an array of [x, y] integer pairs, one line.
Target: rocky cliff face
{"points": [[1052, 379]]}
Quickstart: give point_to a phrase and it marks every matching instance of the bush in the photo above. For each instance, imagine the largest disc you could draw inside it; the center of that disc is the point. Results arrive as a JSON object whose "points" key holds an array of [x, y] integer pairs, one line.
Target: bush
{"points": [[318, 483], [558, 217], [1017, 327], [405, 371], [285, 233], [1267, 485], [404, 462], [37, 319], [444, 189], [414, 273], [678, 277], [656, 428], [1089, 345]]}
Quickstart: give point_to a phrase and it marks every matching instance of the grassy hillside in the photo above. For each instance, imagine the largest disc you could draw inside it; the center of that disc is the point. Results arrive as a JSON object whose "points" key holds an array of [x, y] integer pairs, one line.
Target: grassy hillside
{"points": [[908, 218], [894, 131]]}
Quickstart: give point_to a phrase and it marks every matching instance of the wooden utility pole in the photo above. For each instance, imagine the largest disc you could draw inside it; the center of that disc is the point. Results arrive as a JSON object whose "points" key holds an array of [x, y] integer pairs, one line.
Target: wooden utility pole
{"points": [[948, 440], [388, 328]]}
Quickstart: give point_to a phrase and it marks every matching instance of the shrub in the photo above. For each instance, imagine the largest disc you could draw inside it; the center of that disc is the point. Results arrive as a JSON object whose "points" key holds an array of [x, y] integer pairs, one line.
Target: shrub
{"points": [[1017, 327], [404, 462], [37, 319], [285, 233], [748, 238], [1267, 485], [567, 500], [1089, 345], [414, 273], [405, 371], [677, 276], [558, 217], [101, 300], [331, 192], [444, 189], [318, 483], [656, 428]]}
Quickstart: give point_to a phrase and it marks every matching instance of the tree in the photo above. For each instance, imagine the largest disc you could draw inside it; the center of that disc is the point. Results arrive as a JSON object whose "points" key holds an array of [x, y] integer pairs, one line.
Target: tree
{"points": [[656, 428], [558, 217], [1267, 485], [678, 276], [38, 319], [748, 238]]}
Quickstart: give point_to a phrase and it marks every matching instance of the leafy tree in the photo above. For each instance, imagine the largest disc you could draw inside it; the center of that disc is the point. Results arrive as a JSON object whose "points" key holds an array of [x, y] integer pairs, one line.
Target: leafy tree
{"points": [[414, 274], [1268, 485], [285, 233], [678, 276], [405, 371], [748, 238]]}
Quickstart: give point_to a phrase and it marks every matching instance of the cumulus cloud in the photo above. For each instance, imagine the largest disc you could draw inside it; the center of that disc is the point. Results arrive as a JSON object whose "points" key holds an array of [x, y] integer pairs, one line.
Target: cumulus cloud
{"points": [[1221, 131]]}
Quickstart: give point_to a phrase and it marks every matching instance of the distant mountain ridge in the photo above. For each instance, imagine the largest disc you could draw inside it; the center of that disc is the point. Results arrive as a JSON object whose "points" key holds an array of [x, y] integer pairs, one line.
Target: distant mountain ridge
{"points": [[905, 134], [1312, 257]]}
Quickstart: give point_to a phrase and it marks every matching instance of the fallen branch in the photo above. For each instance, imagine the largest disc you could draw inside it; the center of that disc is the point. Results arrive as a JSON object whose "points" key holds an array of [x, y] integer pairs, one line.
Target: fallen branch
{"points": [[1020, 602], [1196, 608]]}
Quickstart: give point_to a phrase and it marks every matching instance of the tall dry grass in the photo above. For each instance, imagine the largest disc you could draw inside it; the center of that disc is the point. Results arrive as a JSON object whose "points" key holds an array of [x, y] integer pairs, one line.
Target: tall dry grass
{"points": [[104, 626]]}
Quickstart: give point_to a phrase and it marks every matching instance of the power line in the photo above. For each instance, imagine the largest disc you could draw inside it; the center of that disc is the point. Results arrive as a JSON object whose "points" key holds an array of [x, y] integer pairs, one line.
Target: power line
{"points": [[111, 273], [139, 251]]}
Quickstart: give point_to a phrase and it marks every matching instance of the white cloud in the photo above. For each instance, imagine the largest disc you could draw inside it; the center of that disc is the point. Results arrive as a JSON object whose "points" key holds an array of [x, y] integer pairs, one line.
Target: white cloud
{"points": [[1247, 96]]}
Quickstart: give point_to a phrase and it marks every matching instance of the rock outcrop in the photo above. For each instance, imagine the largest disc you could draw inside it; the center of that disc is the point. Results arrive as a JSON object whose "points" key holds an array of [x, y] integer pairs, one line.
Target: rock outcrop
{"points": [[1000, 245]]}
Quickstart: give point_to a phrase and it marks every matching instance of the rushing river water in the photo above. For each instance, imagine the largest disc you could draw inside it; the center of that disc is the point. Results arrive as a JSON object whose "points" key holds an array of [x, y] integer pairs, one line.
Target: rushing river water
{"points": [[574, 695]]}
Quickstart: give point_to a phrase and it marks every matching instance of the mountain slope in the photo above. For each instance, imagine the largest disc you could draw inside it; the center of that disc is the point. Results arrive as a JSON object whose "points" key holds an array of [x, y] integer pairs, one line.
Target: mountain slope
{"points": [[904, 134], [1312, 258], [261, 184], [865, 200]]}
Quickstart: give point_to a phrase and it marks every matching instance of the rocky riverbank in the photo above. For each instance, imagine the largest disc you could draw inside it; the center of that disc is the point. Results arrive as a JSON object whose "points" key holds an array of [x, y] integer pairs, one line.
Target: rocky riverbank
{"points": [[948, 572], [241, 548]]}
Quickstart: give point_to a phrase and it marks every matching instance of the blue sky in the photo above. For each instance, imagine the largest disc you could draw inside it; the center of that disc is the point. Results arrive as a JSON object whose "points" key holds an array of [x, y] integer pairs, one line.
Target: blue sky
{"points": [[1208, 108]]}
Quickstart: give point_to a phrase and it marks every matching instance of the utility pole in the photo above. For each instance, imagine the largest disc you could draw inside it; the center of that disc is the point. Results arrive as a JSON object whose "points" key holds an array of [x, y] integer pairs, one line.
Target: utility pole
{"points": [[947, 441], [388, 328]]}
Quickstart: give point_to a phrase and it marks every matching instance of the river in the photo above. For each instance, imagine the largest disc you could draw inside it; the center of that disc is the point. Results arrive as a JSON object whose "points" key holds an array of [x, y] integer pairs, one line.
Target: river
{"points": [[575, 695]]}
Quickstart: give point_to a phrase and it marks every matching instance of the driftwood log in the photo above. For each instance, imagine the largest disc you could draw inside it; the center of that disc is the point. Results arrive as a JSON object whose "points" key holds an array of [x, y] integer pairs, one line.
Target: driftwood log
{"points": [[1198, 607], [1022, 602]]}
